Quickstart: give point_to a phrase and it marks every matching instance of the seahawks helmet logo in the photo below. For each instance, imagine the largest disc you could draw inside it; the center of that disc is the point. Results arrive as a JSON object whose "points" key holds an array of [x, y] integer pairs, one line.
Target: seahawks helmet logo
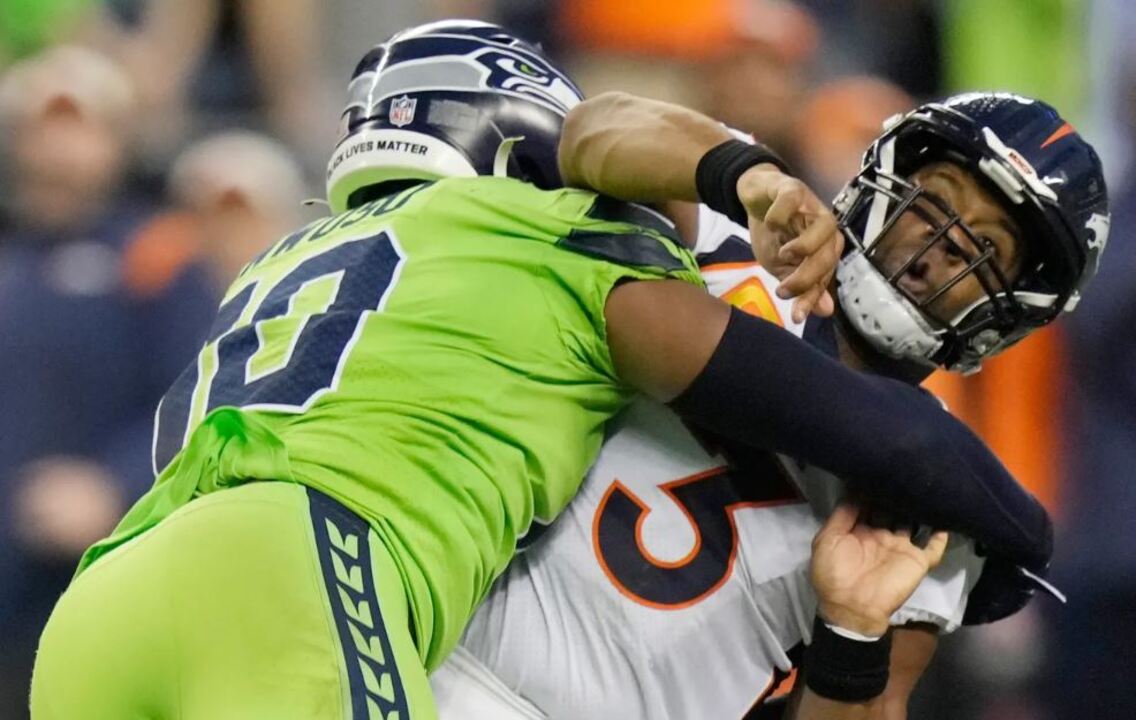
{"points": [[518, 74]]}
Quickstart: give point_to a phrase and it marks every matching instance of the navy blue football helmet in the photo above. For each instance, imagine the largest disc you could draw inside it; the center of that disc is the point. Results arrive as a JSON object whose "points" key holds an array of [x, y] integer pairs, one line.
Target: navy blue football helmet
{"points": [[452, 98], [1048, 178]]}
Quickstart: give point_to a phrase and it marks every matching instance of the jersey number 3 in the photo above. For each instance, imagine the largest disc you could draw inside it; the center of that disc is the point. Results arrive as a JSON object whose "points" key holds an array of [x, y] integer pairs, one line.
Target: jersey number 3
{"points": [[279, 347]]}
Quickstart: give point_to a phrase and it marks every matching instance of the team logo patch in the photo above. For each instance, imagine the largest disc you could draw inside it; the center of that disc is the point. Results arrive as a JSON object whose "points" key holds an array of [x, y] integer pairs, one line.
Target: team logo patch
{"points": [[517, 73], [1098, 224], [750, 296], [402, 110]]}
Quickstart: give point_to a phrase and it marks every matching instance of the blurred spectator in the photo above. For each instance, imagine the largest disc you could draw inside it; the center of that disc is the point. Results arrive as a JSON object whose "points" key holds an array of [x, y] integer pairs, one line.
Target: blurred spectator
{"points": [[475, 9], [242, 192], [659, 28], [29, 26], [352, 27], [83, 361], [755, 78], [200, 65], [741, 61], [900, 40], [1034, 47], [648, 48], [1112, 74], [66, 113], [1093, 654], [839, 119]]}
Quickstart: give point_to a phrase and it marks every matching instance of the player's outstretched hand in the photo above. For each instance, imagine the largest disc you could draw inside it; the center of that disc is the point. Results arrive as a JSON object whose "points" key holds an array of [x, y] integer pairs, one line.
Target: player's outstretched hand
{"points": [[794, 236], [863, 574]]}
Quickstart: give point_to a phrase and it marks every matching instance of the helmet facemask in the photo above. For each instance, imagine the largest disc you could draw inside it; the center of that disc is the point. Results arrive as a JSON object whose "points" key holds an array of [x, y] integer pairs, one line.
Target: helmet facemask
{"points": [[877, 285]]}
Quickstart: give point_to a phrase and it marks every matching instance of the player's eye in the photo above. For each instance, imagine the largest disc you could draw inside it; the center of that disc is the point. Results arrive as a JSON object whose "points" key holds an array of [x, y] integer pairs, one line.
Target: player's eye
{"points": [[952, 249], [988, 243]]}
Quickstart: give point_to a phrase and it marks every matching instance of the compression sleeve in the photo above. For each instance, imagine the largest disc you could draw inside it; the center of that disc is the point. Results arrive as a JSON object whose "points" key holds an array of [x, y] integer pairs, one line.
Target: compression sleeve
{"points": [[887, 440]]}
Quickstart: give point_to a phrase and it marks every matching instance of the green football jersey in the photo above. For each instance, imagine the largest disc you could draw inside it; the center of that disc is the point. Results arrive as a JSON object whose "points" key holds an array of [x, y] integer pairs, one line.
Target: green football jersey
{"points": [[435, 360]]}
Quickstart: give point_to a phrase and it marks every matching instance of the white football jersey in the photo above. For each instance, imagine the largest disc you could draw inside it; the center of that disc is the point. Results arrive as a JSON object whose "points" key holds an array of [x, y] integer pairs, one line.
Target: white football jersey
{"points": [[674, 585]]}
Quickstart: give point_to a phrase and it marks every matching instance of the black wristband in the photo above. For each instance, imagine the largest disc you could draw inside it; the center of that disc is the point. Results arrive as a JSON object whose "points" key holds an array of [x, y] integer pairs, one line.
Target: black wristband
{"points": [[719, 169], [846, 670]]}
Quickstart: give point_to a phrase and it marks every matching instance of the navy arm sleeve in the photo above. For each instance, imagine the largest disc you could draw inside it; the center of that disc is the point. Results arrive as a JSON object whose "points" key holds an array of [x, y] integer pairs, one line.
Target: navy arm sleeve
{"points": [[888, 440]]}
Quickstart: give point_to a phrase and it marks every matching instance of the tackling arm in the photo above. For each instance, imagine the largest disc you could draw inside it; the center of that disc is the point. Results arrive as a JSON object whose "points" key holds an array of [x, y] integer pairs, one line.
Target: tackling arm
{"points": [[642, 150], [636, 149], [755, 383]]}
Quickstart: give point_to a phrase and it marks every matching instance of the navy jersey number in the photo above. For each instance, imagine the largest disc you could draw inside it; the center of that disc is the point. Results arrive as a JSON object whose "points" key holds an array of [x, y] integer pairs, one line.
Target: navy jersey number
{"points": [[709, 500], [293, 347]]}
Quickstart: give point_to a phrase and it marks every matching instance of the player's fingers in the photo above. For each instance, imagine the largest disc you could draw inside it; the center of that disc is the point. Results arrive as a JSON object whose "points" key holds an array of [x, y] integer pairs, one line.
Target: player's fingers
{"points": [[883, 518], [804, 304], [820, 242], [842, 519], [815, 270], [765, 244], [809, 275], [826, 306], [936, 548], [786, 205], [901, 531], [818, 233], [820, 266]]}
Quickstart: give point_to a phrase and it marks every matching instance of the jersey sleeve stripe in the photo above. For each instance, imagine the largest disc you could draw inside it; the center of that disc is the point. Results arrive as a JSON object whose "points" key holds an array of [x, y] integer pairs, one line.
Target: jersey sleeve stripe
{"points": [[630, 249], [611, 210]]}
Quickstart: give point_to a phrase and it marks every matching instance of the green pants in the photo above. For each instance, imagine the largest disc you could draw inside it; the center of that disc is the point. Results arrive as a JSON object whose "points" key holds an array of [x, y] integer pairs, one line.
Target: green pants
{"points": [[268, 600]]}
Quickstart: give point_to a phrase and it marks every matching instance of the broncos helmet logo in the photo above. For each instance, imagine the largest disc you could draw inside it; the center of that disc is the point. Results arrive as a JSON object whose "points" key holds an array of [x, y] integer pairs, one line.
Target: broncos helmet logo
{"points": [[1098, 224]]}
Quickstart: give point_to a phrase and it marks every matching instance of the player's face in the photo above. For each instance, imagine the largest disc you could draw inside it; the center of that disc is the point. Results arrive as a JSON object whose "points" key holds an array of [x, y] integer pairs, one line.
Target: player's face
{"points": [[992, 230]]}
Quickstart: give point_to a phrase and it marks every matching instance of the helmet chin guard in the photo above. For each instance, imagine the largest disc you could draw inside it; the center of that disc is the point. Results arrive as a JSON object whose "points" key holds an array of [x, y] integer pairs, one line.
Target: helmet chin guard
{"points": [[882, 315]]}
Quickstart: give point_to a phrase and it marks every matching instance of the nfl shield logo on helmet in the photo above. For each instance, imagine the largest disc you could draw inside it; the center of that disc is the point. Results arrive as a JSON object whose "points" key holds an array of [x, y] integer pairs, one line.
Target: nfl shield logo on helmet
{"points": [[402, 111]]}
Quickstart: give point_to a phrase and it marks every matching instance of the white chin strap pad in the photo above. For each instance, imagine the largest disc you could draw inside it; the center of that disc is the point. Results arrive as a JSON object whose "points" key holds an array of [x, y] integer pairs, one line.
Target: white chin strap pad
{"points": [[374, 156], [881, 314]]}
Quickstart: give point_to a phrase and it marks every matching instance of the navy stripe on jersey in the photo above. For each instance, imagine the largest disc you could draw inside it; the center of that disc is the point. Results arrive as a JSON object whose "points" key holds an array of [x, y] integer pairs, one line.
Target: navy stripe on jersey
{"points": [[733, 249], [630, 249], [345, 560], [612, 210]]}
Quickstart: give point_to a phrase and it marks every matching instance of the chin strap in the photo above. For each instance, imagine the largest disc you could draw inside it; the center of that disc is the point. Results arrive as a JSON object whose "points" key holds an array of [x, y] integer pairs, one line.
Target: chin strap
{"points": [[880, 314]]}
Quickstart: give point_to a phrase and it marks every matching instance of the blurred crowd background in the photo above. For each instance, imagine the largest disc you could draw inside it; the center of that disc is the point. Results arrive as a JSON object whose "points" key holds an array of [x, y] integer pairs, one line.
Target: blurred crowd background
{"points": [[148, 148]]}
